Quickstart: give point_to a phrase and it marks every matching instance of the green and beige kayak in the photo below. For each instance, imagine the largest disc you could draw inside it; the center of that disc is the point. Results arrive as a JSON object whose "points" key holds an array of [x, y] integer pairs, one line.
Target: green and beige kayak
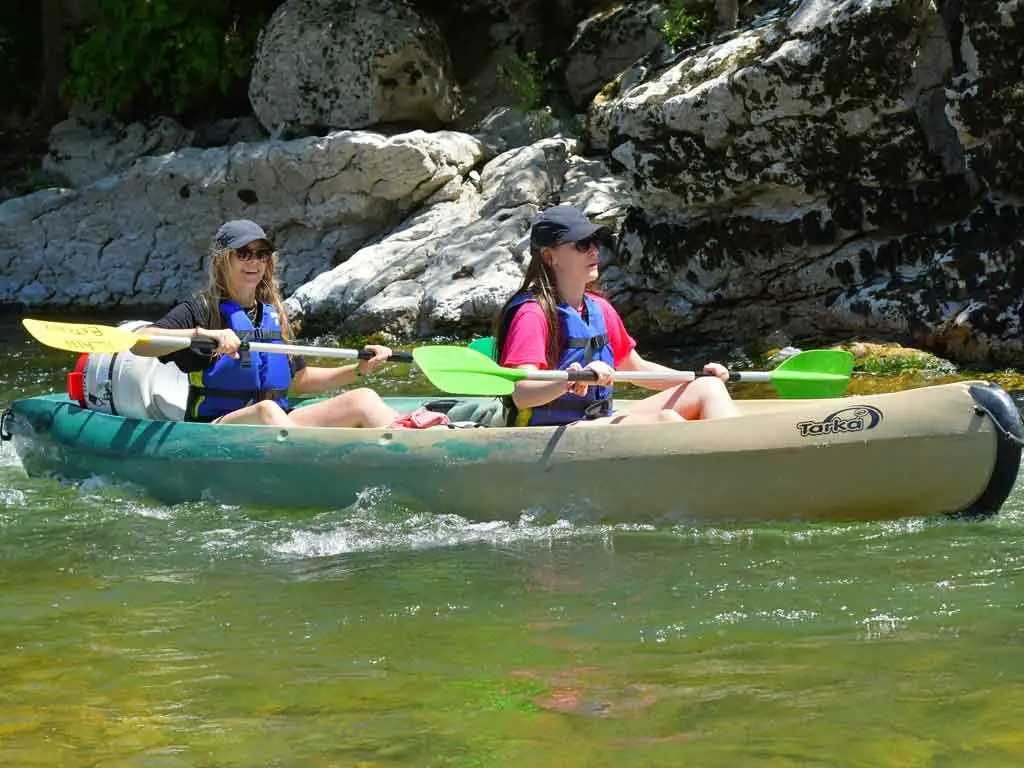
{"points": [[948, 449]]}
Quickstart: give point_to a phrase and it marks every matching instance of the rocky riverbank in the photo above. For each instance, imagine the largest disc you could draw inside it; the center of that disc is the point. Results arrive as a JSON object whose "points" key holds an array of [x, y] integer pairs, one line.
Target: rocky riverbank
{"points": [[827, 170]]}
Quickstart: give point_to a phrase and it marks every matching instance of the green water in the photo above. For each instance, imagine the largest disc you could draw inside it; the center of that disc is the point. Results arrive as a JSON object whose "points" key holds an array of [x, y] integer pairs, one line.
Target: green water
{"points": [[201, 635]]}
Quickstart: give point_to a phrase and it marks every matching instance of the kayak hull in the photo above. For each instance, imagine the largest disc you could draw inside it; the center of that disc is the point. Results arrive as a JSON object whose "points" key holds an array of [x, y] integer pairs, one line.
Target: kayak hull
{"points": [[948, 449]]}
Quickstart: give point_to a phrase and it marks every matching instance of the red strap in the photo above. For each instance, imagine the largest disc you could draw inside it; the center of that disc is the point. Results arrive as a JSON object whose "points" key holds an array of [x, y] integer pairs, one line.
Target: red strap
{"points": [[76, 381]]}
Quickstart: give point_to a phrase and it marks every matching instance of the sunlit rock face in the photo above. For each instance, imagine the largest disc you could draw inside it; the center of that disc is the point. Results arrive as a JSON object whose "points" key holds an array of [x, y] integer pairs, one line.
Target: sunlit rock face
{"points": [[141, 237], [324, 64], [837, 169]]}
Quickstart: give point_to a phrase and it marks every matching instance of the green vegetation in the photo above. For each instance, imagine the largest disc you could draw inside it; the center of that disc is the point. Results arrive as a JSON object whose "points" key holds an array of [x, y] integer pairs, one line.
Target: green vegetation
{"points": [[529, 80], [134, 57], [509, 694], [895, 365], [164, 55], [687, 22]]}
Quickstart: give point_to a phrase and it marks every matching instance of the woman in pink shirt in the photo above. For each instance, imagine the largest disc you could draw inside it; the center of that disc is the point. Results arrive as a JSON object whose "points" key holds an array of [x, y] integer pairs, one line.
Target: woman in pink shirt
{"points": [[588, 333]]}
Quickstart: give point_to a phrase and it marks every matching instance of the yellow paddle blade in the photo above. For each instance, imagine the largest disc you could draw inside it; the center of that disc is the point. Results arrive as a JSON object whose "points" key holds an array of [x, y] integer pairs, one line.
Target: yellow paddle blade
{"points": [[80, 337]]}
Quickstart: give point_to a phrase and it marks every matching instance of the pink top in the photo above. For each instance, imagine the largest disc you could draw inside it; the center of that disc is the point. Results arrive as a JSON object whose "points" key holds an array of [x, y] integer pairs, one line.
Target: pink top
{"points": [[527, 338]]}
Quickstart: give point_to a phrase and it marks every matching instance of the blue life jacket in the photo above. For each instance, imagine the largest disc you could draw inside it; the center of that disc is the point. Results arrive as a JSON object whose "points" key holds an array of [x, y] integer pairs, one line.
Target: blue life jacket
{"points": [[581, 341], [229, 384]]}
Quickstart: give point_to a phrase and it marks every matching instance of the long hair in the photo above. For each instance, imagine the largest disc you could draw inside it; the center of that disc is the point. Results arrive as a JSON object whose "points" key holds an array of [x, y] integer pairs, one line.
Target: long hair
{"points": [[267, 292], [539, 282]]}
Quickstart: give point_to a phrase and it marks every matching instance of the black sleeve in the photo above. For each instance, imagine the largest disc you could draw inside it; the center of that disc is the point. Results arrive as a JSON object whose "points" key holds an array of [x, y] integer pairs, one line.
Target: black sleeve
{"points": [[189, 314], [195, 312]]}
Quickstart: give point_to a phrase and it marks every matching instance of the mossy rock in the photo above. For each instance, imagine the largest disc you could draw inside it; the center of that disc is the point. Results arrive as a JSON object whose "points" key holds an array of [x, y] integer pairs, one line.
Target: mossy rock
{"points": [[872, 357], [883, 359]]}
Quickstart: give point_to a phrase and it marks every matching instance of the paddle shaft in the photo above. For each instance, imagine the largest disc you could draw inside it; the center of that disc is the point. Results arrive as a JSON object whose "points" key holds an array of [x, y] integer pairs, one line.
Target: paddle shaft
{"points": [[681, 376], [207, 346]]}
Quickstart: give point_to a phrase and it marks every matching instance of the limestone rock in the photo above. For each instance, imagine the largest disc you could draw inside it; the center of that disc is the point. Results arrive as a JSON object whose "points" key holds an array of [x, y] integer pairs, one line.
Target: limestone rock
{"points": [[449, 267], [350, 64], [518, 128], [609, 42], [139, 238], [803, 175], [88, 146], [986, 99]]}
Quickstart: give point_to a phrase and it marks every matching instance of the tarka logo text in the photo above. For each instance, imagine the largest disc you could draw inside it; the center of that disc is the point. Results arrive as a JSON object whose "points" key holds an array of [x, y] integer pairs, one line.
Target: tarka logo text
{"points": [[856, 418]]}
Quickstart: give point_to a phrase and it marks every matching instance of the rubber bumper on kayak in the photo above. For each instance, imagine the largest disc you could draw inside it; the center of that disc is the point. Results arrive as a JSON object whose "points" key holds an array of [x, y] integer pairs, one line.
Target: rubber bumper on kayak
{"points": [[993, 401]]}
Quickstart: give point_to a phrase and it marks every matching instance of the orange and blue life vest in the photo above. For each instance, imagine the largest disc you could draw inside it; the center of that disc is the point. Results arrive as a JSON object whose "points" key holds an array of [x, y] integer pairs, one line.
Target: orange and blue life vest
{"points": [[229, 384], [584, 337]]}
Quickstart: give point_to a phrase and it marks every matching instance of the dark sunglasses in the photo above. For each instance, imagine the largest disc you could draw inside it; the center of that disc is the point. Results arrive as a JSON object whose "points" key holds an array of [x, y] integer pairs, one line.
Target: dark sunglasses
{"points": [[594, 241], [259, 254]]}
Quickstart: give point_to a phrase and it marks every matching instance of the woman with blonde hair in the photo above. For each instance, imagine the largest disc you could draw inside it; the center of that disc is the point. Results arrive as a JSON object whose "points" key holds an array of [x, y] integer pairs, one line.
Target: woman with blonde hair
{"points": [[242, 300]]}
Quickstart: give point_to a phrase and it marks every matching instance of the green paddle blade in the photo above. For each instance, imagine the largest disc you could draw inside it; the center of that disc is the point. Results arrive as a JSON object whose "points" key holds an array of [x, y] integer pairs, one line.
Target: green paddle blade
{"points": [[814, 373], [485, 346], [465, 371]]}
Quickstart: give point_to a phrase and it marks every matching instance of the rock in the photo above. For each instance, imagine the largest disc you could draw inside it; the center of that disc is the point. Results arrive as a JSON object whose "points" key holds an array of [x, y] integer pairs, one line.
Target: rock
{"points": [[986, 100], [139, 238], [834, 169], [442, 269], [228, 131], [544, 26], [782, 355], [89, 146], [481, 57], [892, 358], [516, 128], [609, 42], [449, 268], [726, 13], [323, 64], [802, 175], [528, 175]]}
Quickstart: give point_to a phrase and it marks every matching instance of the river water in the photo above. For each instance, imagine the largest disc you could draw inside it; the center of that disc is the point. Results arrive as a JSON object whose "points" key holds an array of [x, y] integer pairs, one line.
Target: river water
{"points": [[133, 634]]}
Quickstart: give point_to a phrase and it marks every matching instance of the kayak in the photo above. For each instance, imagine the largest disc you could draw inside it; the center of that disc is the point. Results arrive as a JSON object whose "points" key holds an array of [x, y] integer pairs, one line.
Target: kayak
{"points": [[951, 449]]}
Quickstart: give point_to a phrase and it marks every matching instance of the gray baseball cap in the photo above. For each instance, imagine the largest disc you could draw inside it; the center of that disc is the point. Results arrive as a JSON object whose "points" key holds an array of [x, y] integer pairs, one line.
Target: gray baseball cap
{"points": [[238, 233], [563, 224]]}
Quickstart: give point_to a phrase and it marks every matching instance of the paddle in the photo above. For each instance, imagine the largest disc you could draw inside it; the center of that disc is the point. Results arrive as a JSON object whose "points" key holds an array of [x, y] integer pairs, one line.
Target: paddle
{"points": [[483, 345], [87, 337], [810, 374]]}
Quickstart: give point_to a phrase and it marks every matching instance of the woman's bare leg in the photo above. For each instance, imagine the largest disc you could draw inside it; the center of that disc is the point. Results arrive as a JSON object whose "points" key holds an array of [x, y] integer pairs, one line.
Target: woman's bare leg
{"points": [[704, 398], [356, 408], [264, 412]]}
